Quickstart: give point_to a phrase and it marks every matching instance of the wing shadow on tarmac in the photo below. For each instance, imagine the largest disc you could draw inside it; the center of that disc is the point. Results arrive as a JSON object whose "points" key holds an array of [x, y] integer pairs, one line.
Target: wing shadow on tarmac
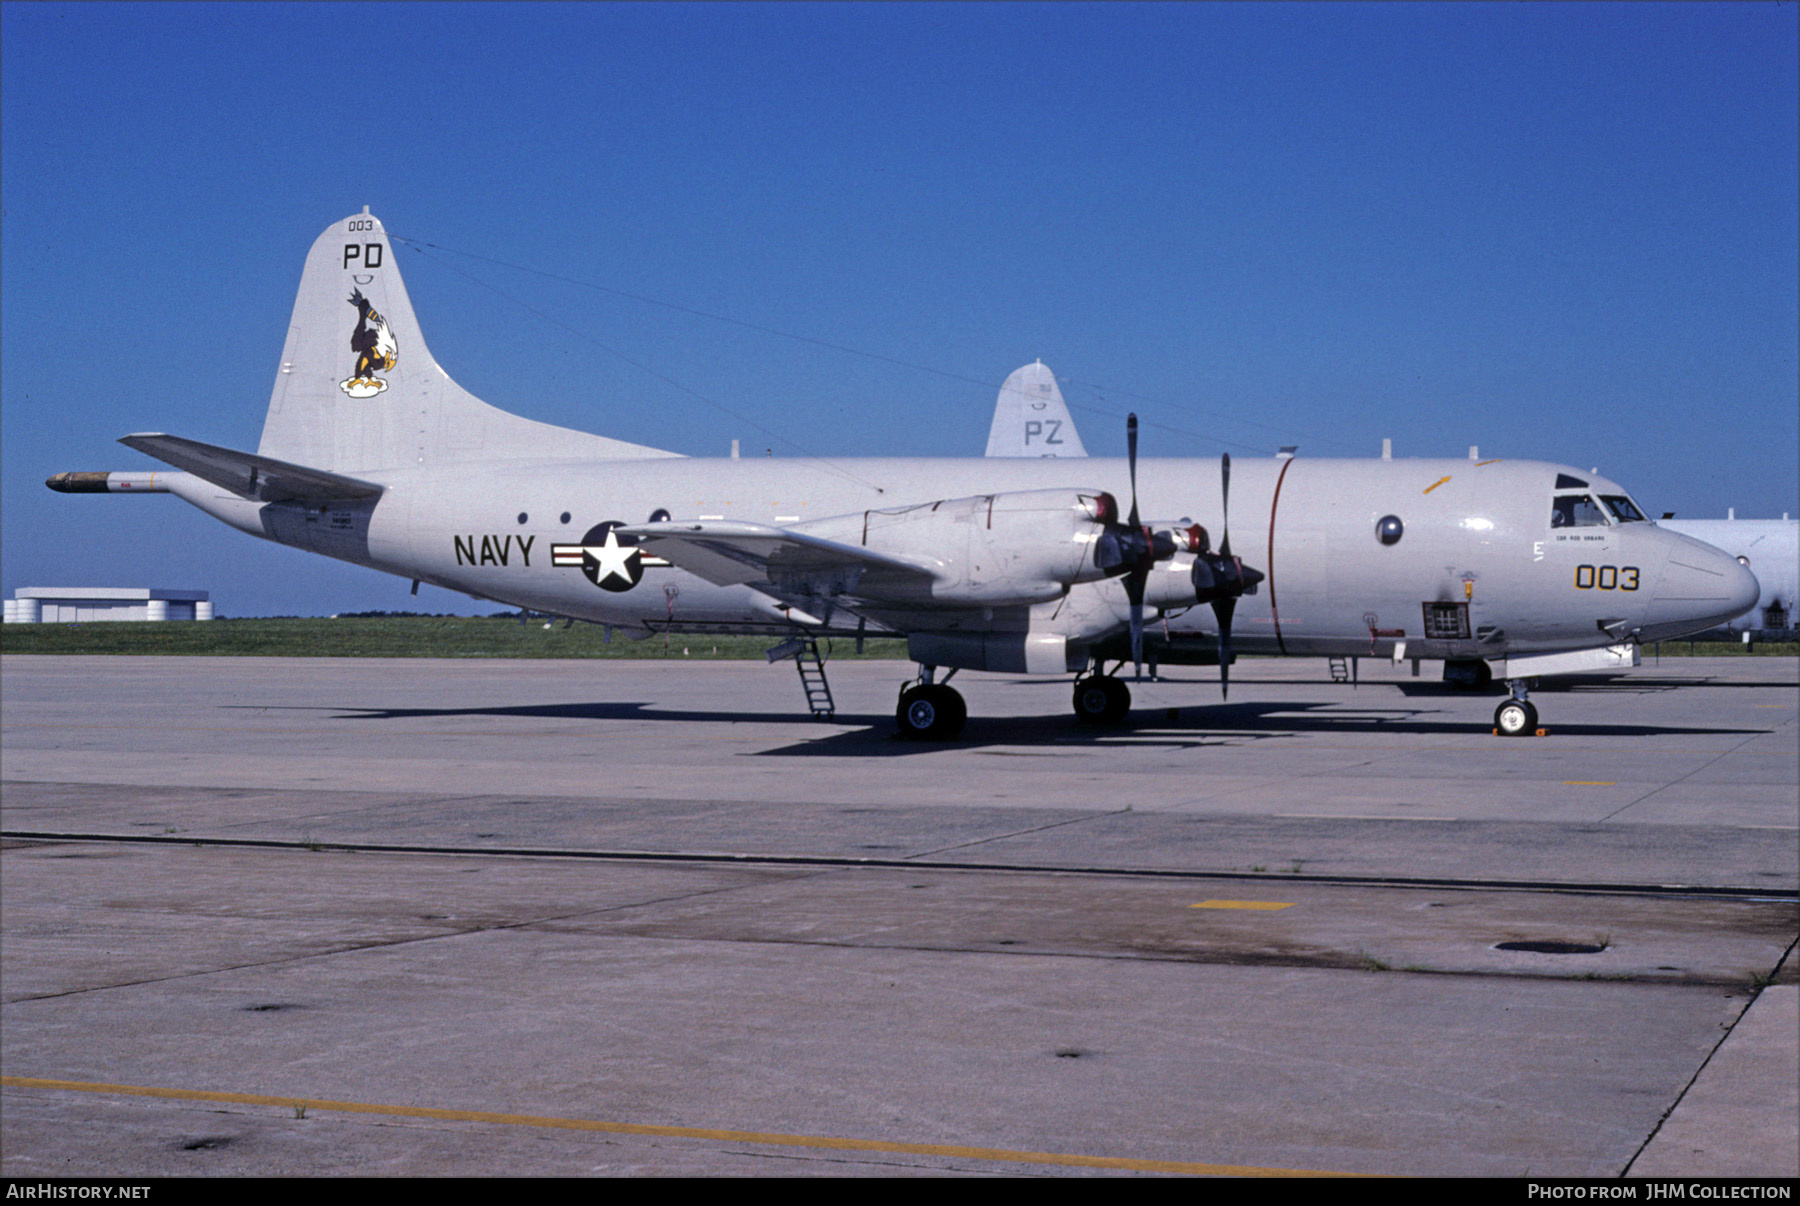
{"points": [[1209, 725], [872, 735], [1614, 684], [602, 710]]}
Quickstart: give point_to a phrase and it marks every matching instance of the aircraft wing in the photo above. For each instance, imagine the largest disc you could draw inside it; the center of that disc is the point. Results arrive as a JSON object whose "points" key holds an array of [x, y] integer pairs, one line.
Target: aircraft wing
{"points": [[248, 475], [728, 553]]}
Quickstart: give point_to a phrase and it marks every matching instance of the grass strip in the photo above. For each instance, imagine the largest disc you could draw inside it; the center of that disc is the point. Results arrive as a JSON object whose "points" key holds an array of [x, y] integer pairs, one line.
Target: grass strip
{"points": [[410, 636]]}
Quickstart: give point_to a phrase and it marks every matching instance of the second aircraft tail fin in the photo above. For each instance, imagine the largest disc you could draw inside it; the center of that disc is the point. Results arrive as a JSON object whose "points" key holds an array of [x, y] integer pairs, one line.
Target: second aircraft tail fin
{"points": [[1031, 418]]}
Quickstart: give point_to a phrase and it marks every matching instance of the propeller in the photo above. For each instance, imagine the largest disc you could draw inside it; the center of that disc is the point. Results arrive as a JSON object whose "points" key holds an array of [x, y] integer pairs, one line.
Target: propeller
{"points": [[1131, 550], [1225, 606], [1139, 573], [1221, 579]]}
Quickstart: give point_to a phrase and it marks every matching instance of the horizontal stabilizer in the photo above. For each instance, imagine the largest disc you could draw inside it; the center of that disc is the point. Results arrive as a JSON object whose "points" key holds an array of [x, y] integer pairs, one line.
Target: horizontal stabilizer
{"points": [[727, 553], [248, 475]]}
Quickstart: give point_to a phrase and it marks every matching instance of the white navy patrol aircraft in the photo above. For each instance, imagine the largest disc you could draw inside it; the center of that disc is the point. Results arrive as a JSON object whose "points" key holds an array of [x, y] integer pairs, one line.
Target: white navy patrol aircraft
{"points": [[1020, 564]]}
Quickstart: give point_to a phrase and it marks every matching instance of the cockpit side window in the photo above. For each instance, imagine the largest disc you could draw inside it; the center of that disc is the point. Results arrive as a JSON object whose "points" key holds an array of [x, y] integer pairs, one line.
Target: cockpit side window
{"points": [[1577, 511], [1623, 509]]}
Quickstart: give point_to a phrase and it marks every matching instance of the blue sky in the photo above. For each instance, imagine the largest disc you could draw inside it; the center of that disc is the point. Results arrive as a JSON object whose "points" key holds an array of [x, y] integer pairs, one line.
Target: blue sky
{"points": [[1558, 232]]}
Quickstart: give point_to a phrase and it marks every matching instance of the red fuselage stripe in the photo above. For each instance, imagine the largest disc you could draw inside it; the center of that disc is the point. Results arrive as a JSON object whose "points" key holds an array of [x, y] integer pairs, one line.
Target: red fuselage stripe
{"points": [[1275, 612]]}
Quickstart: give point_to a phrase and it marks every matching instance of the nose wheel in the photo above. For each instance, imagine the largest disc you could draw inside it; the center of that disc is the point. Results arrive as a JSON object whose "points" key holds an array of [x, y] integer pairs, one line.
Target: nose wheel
{"points": [[1101, 699], [1516, 717], [930, 712]]}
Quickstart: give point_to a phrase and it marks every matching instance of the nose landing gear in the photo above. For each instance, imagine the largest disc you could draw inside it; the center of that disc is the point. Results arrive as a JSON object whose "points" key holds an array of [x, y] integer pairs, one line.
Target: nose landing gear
{"points": [[1517, 717]]}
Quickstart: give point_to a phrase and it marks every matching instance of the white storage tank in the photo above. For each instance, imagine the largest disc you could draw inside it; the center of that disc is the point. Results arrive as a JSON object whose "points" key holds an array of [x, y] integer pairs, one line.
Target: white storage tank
{"points": [[91, 604]]}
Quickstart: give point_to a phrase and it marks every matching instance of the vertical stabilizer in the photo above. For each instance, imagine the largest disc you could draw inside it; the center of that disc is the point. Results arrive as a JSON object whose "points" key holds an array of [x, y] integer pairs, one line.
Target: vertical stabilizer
{"points": [[358, 391], [1031, 419]]}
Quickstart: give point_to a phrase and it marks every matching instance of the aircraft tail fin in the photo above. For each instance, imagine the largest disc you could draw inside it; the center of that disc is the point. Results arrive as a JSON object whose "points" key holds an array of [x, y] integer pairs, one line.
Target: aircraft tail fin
{"points": [[357, 390], [1031, 418]]}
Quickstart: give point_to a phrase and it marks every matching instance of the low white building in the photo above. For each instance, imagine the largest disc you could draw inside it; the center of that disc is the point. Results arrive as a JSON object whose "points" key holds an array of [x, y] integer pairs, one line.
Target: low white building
{"points": [[88, 604]]}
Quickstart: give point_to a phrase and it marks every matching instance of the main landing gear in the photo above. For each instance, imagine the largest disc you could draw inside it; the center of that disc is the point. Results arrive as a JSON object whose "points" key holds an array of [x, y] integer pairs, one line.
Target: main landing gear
{"points": [[1101, 699], [1517, 717], [930, 711]]}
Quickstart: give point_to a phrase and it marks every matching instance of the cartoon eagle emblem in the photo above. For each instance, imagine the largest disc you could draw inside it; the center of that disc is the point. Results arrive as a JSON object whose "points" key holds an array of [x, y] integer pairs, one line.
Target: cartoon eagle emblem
{"points": [[375, 349]]}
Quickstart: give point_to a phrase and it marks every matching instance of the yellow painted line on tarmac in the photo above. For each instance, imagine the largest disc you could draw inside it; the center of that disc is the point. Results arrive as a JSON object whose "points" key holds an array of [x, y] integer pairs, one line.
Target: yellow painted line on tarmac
{"points": [[1589, 783], [680, 1132], [1243, 904]]}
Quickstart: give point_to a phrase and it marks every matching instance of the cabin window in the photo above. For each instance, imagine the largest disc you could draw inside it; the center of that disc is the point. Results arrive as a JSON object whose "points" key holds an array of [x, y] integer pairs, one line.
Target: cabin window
{"points": [[1576, 511], [1623, 509]]}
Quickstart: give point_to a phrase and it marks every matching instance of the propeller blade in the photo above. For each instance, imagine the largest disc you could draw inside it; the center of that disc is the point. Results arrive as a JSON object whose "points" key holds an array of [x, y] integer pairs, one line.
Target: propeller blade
{"points": [[1224, 609], [1225, 504], [1131, 459], [1134, 581], [1137, 627]]}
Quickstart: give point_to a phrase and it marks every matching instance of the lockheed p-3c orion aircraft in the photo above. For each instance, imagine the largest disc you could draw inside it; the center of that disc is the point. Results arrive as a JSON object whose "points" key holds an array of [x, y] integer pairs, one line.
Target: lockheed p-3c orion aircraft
{"points": [[1025, 565]]}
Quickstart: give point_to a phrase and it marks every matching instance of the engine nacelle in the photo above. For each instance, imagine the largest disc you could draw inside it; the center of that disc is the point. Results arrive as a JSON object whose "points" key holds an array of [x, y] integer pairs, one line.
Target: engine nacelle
{"points": [[1195, 572], [998, 652], [1170, 584], [991, 550]]}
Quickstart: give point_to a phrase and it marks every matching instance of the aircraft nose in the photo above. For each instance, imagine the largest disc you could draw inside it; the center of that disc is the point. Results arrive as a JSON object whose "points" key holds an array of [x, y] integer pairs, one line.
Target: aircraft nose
{"points": [[1701, 587], [1746, 590]]}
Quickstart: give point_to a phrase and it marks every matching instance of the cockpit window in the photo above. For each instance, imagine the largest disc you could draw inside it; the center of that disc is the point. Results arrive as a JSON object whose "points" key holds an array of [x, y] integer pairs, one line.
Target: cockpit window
{"points": [[1565, 482], [1576, 511], [1623, 509]]}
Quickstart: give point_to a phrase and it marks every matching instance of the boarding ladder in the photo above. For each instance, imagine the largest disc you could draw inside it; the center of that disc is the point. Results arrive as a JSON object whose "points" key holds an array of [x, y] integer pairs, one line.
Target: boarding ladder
{"points": [[805, 652], [1340, 669]]}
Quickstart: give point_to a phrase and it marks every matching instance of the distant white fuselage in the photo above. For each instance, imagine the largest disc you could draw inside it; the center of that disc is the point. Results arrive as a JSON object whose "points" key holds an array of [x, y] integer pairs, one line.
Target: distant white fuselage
{"points": [[1770, 548]]}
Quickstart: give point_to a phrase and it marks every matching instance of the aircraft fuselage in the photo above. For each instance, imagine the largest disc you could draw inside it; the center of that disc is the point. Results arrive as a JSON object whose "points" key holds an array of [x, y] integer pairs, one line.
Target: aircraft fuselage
{"points": [[1478, 570]]}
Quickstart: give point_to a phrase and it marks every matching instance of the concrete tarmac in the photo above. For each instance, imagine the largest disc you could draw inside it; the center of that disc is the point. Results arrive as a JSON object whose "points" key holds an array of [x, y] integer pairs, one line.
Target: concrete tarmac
{"points": [[321, 916]]}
